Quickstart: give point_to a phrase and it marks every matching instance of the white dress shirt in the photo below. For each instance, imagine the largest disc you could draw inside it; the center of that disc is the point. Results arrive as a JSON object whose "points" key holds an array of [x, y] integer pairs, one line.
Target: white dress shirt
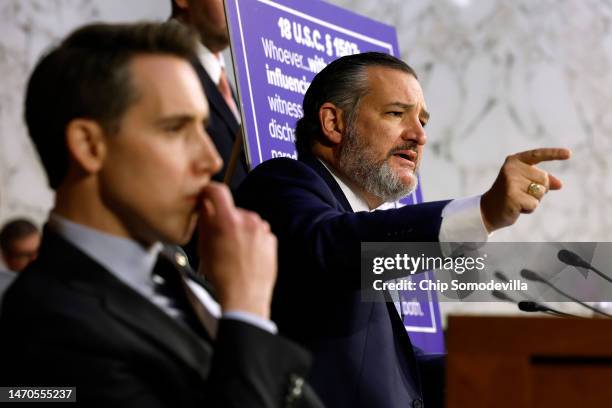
{"points": [[462, 226], [133, 264], [461, 218], [213, 65]]}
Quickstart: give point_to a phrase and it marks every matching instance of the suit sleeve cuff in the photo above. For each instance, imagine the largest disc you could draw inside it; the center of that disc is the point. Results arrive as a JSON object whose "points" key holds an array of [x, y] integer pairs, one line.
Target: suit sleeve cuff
{"points": [[250, 318], [462, 223]]}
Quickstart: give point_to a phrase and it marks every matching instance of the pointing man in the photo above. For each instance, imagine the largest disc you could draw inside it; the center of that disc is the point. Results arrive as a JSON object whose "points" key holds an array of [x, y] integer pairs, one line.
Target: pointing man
{"points": [[360, 144]]}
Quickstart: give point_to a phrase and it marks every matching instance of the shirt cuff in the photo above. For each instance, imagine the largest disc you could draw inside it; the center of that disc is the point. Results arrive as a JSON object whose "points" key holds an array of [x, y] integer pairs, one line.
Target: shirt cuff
{"points": [[252, 319], [462, 226]]}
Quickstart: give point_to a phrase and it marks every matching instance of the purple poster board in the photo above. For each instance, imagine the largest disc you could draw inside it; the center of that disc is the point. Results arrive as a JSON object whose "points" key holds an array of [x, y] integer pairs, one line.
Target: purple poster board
{"points": [[278, 46]]}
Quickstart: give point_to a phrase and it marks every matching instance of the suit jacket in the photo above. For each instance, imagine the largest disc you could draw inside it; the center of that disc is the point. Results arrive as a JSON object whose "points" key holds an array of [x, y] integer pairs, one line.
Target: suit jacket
{"points": [[222, 128], [362, 354], [67, 321]]}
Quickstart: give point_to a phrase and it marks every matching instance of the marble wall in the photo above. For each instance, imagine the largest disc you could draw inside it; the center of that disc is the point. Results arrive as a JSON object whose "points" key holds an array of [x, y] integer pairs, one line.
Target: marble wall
{"points": [[499, 76]]}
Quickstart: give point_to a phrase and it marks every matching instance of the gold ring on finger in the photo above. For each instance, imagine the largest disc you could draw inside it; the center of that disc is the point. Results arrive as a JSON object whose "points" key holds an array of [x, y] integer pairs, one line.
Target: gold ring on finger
{"points": [[535, 189]]}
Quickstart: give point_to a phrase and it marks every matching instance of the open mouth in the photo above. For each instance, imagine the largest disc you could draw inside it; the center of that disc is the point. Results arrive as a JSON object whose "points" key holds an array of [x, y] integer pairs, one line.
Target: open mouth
{"points": [[406, 157], [403, 156]]}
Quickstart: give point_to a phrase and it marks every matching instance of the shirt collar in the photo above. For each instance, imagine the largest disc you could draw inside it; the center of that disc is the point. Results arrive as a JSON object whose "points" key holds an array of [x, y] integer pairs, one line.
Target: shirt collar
{"points": [[125, 259], [212, 63], [7, 273], [356, 202]]}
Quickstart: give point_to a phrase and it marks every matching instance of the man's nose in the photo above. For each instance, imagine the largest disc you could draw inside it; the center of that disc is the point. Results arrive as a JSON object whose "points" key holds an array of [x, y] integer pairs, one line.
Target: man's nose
{"points": [[207, 159], [414, 131]]}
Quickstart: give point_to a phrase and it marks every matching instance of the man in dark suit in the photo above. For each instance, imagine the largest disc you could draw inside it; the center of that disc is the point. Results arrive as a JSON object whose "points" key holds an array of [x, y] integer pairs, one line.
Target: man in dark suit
{"points": [[359, 144], [116, 113], [207, 17]]}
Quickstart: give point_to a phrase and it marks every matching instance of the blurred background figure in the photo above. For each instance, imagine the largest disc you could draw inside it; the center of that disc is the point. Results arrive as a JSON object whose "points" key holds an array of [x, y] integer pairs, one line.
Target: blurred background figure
{"points": [[6, 278], [207, 17], [19, 242]]}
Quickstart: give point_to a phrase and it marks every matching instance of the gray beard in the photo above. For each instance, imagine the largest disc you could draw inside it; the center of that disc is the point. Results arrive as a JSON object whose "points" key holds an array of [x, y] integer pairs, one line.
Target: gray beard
{"points": [[375, 177]]}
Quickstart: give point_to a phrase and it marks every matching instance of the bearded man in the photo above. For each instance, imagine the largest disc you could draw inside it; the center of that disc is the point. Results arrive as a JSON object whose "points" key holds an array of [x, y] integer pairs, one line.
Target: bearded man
{"points": [[360, 143]]}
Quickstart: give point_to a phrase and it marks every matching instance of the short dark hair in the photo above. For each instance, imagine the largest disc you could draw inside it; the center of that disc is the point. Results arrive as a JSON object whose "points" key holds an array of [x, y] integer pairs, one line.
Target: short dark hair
{"points": [[14, 230], [343, 82], [87, 76]]}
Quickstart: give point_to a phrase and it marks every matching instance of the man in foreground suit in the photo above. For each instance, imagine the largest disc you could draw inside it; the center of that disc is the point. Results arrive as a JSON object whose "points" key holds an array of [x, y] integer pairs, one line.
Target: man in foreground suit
{"points": [[116, 113], [359, 145]]}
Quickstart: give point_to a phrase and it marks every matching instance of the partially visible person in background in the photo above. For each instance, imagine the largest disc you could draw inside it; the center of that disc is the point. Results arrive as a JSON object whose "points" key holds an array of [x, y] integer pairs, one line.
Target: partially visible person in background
{"points": [[19, 242], [6, 278], [207, 17]]}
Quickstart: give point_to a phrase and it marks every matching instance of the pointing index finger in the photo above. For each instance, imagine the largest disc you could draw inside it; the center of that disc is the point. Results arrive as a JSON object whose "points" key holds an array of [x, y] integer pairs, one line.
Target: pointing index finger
{"points": [[536, 156]]}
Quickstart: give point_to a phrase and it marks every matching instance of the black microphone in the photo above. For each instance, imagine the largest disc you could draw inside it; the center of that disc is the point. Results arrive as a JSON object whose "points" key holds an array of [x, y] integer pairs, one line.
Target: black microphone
{"points": [[572, 258], [575, 260], [532, 276], [502, 296], [530, 306], [502, 277]]}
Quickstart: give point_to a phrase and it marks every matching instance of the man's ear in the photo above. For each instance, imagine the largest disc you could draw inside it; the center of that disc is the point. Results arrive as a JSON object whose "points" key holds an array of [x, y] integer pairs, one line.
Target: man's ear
{"points": [[86, 144], [332, 122]]}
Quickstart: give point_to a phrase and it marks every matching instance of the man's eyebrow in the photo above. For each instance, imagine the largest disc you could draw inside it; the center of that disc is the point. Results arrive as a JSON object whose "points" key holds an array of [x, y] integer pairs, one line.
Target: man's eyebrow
{"points": [[401, 105], [179, 119], [424, 115], [173, 119]]}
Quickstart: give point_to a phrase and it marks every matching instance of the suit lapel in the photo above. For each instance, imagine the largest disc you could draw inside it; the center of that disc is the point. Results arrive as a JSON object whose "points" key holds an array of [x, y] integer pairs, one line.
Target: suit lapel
{"points": [[396, 322], [317, 166], [400, 331], [124, 304], [171, 251], [216, 101], [142, 316]]}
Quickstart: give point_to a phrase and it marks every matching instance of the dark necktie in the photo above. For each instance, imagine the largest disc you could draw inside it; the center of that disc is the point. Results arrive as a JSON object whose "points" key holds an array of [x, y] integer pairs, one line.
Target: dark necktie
{"points": [[175, 288]]}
